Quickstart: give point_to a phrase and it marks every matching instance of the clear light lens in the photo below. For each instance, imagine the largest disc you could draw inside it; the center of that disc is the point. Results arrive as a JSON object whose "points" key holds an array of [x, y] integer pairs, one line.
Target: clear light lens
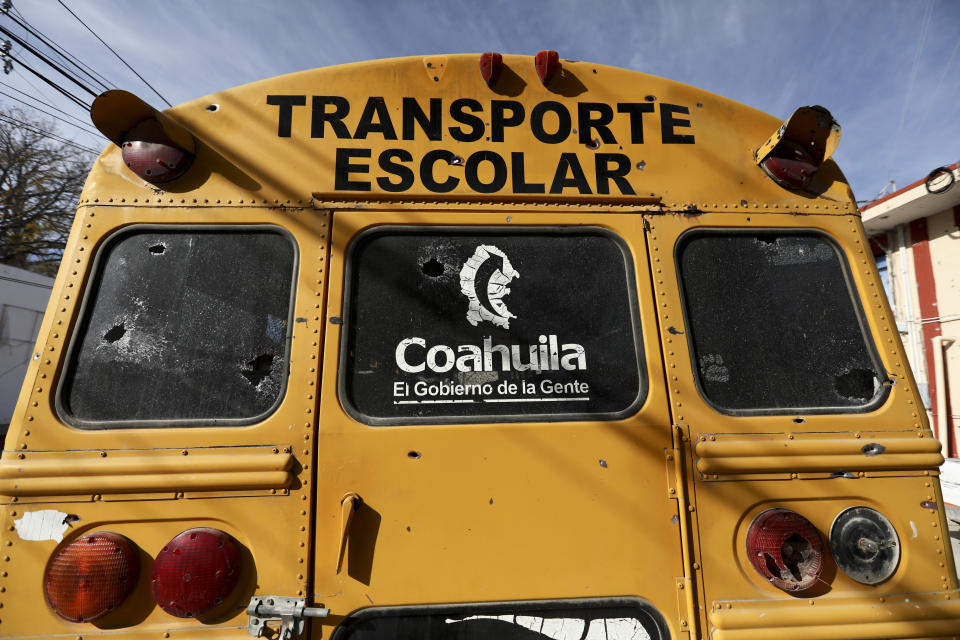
{"points": [[865, 545]]}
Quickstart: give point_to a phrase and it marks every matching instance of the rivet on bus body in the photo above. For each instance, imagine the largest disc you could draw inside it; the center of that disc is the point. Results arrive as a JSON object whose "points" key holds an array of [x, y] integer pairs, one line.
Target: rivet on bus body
{"points": [[183, 452], [669, 456], [936, 537], [103, 454], [23, 446], [683, 623], [691, 508], [21, 456]]}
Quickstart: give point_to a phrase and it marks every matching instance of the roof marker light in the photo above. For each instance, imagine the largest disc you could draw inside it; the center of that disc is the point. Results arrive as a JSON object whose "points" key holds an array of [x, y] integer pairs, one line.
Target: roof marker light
{"points": [[547, 63], [795, 151], [153, 146], [491, 64]]}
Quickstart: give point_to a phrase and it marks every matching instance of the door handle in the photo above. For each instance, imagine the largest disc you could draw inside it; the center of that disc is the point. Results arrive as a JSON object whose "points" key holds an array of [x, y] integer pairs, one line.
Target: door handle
{"points": [[348, 506]]}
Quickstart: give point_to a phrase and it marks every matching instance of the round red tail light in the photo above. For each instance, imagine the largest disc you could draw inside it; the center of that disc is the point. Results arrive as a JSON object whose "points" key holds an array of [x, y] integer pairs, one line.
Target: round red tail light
{"points": [[786, 549], [195, 572], [91, 576], [150, 153]]}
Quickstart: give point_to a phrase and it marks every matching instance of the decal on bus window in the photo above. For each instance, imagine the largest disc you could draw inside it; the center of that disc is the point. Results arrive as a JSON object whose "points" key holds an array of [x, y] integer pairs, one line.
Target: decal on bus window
{"points": [[464, 325]]}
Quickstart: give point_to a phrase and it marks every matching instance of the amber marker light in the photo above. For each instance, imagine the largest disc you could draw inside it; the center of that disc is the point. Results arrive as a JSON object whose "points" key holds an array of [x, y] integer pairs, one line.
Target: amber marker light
{"points": [[195, 572], [91, 576]]}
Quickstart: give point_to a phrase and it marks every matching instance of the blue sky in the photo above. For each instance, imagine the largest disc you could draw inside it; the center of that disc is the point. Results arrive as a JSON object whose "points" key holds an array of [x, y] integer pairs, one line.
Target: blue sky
{"points": [[889, 70]]}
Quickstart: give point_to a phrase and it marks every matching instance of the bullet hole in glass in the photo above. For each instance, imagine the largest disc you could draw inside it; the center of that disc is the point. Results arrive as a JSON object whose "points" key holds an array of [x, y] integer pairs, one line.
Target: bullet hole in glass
{"points": [[115, 333], [432, 268], [258, 368], [859, 384], [158, 248]]}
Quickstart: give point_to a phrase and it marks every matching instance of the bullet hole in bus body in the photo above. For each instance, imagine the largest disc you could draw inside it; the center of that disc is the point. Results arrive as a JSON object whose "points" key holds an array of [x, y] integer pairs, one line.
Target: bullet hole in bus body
{"points": [[212, 107], [873, 449], [641, 165], [414, 455], [593, 145]]}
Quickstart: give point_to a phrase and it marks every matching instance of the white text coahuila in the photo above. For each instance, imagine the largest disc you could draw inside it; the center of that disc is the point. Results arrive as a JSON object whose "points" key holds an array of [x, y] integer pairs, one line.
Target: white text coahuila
{"points": [[413, 356]]}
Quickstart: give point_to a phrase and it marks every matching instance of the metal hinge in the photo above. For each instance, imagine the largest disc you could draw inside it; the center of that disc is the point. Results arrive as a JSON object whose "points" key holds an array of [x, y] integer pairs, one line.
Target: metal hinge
{"points": [[289, 612]]}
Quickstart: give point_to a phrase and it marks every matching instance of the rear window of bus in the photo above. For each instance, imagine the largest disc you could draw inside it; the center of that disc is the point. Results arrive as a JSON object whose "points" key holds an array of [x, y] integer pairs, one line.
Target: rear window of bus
{"points": [[775, 324], [182, 326]]}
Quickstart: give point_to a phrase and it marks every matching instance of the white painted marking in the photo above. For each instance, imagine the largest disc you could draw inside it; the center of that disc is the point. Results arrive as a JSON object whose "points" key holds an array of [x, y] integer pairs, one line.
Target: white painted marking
{"points": [[571, 628], [534, 399], [431, 401], [42, 525], [914, 527]]}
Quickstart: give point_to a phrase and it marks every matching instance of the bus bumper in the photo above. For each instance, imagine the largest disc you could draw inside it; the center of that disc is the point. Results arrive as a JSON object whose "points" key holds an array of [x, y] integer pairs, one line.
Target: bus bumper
{"points": [[915, 615]]}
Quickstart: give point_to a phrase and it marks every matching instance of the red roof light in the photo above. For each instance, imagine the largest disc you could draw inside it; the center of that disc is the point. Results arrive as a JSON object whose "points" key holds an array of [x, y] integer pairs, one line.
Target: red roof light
{"points": [[491, 64], [547, 63]]}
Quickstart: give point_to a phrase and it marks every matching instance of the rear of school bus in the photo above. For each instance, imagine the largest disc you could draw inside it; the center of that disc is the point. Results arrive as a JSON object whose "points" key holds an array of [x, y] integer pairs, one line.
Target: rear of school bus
{"points": [[469, 347]]}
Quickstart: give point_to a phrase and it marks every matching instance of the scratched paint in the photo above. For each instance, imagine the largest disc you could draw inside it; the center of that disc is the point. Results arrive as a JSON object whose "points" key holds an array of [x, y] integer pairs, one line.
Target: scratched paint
{"points": [[571, 628], [42, 525]]}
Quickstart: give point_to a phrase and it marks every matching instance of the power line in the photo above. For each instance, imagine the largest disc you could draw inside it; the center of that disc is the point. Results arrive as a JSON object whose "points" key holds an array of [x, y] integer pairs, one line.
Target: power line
{"points": [[43, 111], [62, 52], [53, 84], [35, 99], [46, 134], [49, 63], [114, 52]]}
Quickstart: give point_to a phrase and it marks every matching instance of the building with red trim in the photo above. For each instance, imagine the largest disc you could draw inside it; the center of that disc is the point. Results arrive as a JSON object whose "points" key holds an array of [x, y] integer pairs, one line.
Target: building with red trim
{"points": [[915, 236]]}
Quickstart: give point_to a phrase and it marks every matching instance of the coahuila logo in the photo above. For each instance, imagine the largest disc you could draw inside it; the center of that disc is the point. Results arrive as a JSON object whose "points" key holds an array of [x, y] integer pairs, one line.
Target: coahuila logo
{"points": [[484, 283], [486, 300]]}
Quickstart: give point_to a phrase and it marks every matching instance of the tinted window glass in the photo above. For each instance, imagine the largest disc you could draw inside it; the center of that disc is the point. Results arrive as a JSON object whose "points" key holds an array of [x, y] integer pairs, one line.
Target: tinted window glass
{"points": [[182, 325], [592, 619], [774, 323], [468, 324]]}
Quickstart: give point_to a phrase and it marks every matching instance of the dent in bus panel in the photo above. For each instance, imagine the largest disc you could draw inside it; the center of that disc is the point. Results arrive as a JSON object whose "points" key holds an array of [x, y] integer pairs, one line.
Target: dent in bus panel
{"points": [[450, 324], [775, 324], [182, 325]]}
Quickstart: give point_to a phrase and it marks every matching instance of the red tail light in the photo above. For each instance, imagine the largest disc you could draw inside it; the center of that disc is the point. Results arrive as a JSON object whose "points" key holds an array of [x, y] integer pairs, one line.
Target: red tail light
{"points": [[547, 63], [785, 548], [195, 572], [150, 153], [91, 576]]}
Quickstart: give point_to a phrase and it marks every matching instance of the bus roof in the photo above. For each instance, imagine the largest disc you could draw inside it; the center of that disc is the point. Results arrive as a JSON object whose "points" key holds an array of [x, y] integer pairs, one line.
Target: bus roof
{"points": [[429, 129]]}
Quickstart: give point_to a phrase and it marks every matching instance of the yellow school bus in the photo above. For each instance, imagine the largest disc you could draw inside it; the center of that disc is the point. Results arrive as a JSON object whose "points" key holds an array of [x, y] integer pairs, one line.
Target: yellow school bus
{"points": [[470, 346]]}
